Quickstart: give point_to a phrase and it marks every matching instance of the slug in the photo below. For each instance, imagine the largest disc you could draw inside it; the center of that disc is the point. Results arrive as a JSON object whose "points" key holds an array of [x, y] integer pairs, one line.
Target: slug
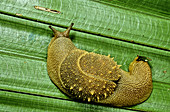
{"points": [[92, 77]]}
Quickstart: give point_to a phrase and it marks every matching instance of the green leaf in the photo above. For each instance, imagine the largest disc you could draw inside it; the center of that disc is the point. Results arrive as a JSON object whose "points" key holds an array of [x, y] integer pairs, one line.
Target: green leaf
{"points": [[123, 29]]}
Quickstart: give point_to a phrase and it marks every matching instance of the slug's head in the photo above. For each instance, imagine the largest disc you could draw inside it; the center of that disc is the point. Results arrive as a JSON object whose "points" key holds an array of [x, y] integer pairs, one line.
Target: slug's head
{"points": [[138, 60], [58, 34]]}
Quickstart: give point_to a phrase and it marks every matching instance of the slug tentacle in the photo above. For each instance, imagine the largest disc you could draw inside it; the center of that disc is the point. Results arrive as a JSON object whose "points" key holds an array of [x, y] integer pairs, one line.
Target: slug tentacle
{"points": [[61, 34], [97, 78]]}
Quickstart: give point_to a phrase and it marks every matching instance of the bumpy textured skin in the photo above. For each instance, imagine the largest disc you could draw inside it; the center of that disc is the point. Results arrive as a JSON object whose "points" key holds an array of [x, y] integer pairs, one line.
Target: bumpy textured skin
{"points": [[96, 78]]}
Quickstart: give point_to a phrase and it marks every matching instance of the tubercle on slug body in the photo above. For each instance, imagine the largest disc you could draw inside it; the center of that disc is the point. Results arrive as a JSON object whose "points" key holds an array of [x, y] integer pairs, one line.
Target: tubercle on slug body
{"points": [[96, 78]]}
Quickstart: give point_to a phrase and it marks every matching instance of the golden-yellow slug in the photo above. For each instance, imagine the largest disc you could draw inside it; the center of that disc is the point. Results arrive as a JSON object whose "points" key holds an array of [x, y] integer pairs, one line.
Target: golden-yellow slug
{"points": [[97, 78]]}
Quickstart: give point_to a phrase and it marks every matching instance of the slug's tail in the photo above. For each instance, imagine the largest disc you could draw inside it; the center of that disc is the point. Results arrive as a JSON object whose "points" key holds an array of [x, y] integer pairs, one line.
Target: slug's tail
{"points": [[58, 34]]}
